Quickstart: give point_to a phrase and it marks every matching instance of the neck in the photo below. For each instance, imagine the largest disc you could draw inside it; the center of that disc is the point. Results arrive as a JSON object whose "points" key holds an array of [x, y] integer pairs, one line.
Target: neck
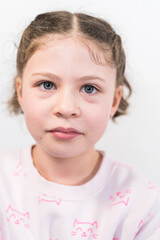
{"points": [[67, 171]]}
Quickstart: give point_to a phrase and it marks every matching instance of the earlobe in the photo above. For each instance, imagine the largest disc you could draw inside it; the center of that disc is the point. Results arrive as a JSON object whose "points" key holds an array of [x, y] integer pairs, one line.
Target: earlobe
{"points": [[19, 91], [116, 100]]}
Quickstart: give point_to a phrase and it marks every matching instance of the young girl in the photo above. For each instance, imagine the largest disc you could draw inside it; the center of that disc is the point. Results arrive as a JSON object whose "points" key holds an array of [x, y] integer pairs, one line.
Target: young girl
{"points": [[70, 82]]}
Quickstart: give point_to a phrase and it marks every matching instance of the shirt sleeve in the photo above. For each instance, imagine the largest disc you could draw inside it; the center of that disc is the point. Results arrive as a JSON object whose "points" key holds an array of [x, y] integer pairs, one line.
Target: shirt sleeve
{"points": [[3, 227], [149, 228], [1, 224]]}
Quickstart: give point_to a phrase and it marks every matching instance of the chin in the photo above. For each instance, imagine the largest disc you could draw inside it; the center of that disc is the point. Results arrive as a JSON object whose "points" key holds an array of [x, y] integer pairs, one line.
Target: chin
{"points": [[63, 154]]}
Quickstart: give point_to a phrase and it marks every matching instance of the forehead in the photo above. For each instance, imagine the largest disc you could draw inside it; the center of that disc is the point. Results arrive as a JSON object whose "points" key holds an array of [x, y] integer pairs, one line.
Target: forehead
{"points": [[72, 56], [100, 53]]}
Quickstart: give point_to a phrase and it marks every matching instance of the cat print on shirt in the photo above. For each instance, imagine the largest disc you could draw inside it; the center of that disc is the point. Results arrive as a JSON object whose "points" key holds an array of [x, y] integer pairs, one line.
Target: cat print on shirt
{"points": [[53, 239], [152, 186], [19, 170], [120, 198], [123, 165], [139, 226], [84, 230], [18, 218], [50, 199], [141, 222]]}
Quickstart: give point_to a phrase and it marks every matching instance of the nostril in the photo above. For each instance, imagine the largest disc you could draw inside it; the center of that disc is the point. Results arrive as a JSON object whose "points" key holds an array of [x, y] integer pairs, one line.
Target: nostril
{"points": [[59, 114], [68, 113]]}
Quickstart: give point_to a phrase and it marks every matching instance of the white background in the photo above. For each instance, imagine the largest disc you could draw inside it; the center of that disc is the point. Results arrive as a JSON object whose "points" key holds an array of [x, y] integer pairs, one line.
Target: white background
{"points": [[134, 140]]}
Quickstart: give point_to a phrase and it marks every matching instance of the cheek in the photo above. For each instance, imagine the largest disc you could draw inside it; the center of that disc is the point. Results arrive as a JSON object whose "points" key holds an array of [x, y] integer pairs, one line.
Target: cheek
{"points": [[34, 114], [97, 121]]}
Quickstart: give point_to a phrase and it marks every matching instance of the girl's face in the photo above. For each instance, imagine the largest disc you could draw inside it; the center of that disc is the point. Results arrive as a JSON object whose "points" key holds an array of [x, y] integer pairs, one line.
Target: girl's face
{"points": [[63, 87]]}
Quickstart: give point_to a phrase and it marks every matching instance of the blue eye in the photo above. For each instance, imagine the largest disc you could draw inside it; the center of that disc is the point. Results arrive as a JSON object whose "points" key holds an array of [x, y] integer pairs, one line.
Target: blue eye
{"points": [[47, 85], [89, 89]]}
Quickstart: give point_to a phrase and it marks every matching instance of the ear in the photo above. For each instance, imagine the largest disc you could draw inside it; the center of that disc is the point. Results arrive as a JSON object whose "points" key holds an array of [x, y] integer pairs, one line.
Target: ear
{"points": [[116, 100], [19, 91], [75, 222]]}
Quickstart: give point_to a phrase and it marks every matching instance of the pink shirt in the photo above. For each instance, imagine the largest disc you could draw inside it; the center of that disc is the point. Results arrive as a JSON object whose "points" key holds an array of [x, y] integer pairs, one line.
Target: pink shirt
{"points": [[116, 204]]}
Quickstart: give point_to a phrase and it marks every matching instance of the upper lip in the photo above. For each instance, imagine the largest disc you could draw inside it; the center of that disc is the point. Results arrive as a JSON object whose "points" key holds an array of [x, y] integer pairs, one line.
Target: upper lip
{"points": [[64, 130]]}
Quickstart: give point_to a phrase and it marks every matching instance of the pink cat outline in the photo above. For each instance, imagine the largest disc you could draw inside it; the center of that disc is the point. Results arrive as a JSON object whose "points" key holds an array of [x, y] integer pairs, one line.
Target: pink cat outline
{"points": [[76, 222], [140, 223], [124, 165], [22, 218], [19, 170], [94, 224], [51, 239], [44, 198], [120, 198], [151, 185]]}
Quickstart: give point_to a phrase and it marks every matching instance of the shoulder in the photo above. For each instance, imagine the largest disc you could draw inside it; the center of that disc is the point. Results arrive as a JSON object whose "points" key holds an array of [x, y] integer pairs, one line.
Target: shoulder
{"points": [[124, 175], [128, 185], [15, 152], [10, 160], [133, 195]]}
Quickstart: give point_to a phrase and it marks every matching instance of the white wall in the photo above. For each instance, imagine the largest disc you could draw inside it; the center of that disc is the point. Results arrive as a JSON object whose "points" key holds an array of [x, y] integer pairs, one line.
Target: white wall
{"points": [[134, 140]]}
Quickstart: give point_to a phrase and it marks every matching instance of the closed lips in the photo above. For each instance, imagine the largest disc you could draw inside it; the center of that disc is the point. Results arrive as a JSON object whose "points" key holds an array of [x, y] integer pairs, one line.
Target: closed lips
{"points": [[65, 130]]}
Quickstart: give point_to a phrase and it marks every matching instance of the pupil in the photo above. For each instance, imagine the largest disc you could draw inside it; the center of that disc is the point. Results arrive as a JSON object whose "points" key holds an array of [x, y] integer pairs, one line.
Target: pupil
{"points": [[89, 89], [48, 85]]}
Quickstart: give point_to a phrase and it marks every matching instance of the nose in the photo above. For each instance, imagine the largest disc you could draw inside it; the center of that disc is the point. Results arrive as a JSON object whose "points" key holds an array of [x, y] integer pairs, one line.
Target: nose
{"points": [[17, 222], [66, 104], [84, 234]]}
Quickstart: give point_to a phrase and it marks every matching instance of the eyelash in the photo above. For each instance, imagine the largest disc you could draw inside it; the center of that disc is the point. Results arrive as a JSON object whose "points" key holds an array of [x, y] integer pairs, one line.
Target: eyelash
{"points": [[41, 84]]}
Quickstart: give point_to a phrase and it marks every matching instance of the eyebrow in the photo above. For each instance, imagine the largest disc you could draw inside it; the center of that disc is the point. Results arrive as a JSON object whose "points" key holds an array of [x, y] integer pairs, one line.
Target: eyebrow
{"points": [[84, 78]]}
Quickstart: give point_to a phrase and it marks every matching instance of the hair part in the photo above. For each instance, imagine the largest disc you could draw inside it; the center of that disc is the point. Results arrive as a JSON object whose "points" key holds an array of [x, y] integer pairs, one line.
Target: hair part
{"points": [[64, 24]]}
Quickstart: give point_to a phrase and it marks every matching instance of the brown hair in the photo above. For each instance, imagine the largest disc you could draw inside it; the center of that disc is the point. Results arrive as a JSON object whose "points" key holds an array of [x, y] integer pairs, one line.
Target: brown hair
{"points": [[64, 23]]}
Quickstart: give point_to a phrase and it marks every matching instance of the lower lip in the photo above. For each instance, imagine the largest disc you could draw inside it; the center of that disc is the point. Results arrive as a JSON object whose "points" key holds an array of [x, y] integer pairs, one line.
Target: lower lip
{"points": [[64, 136]]}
